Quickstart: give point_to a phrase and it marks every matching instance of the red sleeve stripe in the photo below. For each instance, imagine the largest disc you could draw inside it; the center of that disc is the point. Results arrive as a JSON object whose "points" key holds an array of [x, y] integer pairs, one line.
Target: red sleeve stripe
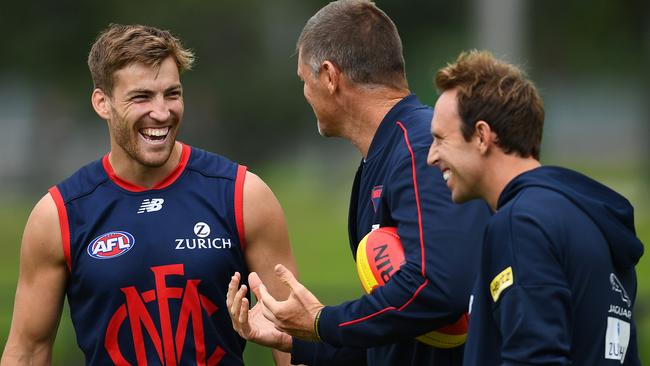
{"points": [[63, 224], [415, 294], [417, 204], [345, 324], [417, 195], [239, 204]]}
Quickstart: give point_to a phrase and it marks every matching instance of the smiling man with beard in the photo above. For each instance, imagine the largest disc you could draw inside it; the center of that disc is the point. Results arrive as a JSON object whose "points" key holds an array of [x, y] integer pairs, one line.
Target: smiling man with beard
{"points": [[108, 235]]}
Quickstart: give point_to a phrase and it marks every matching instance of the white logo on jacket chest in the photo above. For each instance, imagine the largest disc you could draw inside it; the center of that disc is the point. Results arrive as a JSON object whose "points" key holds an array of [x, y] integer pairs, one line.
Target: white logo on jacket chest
{"points": [[615, 309], [617, 286], [151, 205], [617, 339]]}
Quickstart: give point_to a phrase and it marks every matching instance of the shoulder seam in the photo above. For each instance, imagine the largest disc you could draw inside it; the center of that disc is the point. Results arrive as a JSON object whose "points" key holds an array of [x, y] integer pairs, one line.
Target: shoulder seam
{"points": [[510, 225], [515, 262], [86, 192], [209, 175]]}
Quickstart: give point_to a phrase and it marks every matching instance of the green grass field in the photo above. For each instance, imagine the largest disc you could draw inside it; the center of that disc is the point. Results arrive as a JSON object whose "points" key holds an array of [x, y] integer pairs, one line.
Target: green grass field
{"points": [[316, 209]]}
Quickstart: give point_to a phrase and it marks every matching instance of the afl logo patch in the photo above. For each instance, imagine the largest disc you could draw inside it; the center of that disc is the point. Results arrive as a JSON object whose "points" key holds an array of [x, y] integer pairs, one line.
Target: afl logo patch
{"points": [[111, 245]]}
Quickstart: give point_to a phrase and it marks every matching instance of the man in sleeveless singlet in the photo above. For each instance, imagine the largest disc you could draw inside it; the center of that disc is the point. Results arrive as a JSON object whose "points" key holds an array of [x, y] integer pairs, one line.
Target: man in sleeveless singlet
{"points": [[144, 240]]}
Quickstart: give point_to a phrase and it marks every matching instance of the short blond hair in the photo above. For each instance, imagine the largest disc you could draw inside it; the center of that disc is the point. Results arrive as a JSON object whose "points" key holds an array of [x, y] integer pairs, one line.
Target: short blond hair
{"points": [[120, 45]]}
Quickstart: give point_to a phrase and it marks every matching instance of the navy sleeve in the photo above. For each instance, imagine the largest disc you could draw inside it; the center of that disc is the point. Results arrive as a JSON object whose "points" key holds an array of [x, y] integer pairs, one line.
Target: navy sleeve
{"points": [[432, 288], [532, 311], [321, 354]]}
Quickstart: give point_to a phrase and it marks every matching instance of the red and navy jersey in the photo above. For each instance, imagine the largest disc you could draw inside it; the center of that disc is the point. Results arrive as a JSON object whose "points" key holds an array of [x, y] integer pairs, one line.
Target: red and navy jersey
{"points": [[149, 268], [395, 187]]}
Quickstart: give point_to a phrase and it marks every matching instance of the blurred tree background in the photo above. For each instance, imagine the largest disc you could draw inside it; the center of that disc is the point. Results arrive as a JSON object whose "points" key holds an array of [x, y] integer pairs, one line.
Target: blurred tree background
{"points": [[244, 100]]}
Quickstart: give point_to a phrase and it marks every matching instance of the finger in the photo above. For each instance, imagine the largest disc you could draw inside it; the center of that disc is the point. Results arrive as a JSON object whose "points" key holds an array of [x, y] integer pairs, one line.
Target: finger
{"points": [[239, 295], [243, 316], [259, 289], [270, 304], [254, 282], [287, 277], [236, 305], [232, 289], [240, 323], [268, 314]]}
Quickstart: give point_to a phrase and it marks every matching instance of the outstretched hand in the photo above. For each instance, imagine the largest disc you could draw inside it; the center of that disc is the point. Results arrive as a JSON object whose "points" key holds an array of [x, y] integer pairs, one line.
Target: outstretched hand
{"points": [[294, 316], [251, 324]]}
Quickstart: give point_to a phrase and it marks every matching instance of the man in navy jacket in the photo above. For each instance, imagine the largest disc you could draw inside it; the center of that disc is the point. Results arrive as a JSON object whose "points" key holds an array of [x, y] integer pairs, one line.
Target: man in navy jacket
{"points": [[557, 282], [350, 60]]}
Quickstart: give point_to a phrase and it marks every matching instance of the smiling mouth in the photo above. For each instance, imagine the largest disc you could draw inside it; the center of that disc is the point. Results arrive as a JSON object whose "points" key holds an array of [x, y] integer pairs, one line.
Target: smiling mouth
{"points": [[154, 134], [446, 175]]}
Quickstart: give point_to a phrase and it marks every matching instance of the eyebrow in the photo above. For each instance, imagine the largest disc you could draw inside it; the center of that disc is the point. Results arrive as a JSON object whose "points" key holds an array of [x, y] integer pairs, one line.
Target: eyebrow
{"points": [[139, 91], [174, 88], [149, 91]]}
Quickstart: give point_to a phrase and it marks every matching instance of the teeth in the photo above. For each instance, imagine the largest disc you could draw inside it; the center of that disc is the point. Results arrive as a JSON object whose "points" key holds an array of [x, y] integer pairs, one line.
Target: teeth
{"points": [[157, 132], [446, 175]]}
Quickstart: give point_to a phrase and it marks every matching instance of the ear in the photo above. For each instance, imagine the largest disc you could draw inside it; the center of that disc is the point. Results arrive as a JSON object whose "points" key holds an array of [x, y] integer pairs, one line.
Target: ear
{"points": [[485, 137], [331, 75], [101, 103]]}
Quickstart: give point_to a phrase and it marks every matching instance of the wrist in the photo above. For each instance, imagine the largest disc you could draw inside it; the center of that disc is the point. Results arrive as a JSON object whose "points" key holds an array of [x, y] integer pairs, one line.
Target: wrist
{"points": [[284, 343], [316, 320]]}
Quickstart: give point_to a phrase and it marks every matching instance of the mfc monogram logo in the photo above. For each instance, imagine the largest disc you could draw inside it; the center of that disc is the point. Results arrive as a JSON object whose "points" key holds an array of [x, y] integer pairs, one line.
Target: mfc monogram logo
{"points": [[168, 343]]}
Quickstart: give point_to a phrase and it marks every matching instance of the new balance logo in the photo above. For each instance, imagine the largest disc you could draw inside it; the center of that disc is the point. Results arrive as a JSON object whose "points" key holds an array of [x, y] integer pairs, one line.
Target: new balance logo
{"points": [[151, 205]]}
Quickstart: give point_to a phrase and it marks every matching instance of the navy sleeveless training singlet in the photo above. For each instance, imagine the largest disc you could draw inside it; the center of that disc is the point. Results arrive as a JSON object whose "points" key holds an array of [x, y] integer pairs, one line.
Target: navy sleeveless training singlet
{"points": [[149, 268]]}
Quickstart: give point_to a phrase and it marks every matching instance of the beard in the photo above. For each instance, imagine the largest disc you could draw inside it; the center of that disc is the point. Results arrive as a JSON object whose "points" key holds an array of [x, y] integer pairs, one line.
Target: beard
{"points": [[129, 140]]}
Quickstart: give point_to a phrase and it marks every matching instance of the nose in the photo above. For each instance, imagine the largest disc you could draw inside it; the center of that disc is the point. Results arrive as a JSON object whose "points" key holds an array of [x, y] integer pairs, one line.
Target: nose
{"points": [[432, 158], [160, 111]]}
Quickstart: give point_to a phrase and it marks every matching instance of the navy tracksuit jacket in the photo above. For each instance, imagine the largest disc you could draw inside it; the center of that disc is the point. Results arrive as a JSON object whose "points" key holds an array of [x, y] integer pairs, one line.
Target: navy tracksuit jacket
{"points": [[557, 282], [395, 187]]}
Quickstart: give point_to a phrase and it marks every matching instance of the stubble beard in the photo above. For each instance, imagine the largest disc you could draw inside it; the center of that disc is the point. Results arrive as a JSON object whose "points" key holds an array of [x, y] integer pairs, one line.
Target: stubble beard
{"points": [[127, 140]]}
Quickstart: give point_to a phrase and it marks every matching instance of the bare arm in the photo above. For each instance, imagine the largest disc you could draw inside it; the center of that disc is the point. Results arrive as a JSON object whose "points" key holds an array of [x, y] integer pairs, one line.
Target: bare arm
{"points": [[267, 241], [40, 290]]}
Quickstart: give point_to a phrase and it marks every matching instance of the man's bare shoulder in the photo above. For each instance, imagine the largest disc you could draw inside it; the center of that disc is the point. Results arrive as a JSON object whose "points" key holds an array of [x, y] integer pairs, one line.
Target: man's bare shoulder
{"points": [[42, 236]]}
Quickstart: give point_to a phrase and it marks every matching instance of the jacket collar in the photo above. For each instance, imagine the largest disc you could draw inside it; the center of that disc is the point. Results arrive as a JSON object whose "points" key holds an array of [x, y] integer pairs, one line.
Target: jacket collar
{"points": [[387, 125]]}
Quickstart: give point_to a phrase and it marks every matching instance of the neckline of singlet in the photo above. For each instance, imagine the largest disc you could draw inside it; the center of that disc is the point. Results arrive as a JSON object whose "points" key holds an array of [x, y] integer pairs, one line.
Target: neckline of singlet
{"points": [[132, 187]]}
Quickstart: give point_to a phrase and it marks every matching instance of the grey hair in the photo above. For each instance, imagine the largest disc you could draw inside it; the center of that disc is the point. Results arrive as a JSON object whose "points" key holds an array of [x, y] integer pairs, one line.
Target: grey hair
{"points": [[357, 37]]}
